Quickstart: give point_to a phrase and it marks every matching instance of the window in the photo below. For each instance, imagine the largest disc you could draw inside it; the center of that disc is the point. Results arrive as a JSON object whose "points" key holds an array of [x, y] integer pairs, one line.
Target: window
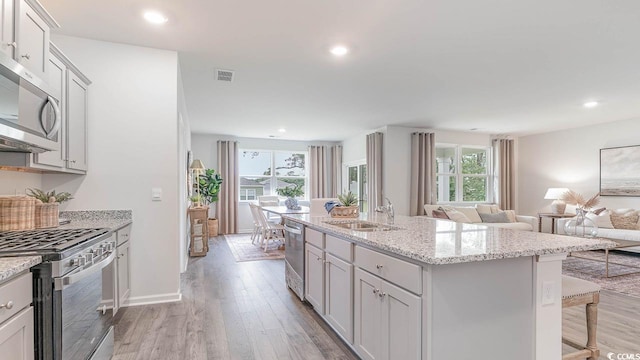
{"points": [[357, 183], [463, 173], [264, 171]]}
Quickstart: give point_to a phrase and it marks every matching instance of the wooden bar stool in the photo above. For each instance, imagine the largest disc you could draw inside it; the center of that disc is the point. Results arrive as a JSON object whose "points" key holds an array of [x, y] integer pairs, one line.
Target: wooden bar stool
{"points": [[581, 292]]}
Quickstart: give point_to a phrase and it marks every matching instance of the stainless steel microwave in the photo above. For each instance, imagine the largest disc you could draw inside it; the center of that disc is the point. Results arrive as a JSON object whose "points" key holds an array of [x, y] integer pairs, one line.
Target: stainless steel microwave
{"points": [[29, 112]]}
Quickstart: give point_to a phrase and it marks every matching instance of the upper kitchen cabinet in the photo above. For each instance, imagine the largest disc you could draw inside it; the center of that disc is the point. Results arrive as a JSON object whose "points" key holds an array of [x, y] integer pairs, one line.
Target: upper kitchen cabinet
{"points": [[32, 33], [7, 29], [77, 114]]}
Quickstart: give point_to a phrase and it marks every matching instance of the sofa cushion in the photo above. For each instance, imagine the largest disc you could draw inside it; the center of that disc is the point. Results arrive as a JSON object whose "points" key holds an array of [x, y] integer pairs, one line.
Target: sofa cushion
{"points": [[469, 212], [512, 226], [455, 215], [500, 217], [439, 214], [487, 209], [628, 221], [602, 220], [632, 235], [428, 209], [511, 214]]}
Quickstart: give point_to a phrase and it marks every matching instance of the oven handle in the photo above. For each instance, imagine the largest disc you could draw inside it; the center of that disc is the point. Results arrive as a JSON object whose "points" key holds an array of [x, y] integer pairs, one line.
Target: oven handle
{"points": [[61, 283], [292, 230]]}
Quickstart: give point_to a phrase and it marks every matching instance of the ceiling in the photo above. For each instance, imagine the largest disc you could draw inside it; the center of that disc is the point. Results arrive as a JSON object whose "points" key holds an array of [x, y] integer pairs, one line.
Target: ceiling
{"points": [[497, 66]]}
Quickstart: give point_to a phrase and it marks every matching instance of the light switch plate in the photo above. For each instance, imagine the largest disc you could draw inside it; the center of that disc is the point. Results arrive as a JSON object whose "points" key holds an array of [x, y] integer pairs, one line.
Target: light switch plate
{"points": [[156, 194], [548, 292]]}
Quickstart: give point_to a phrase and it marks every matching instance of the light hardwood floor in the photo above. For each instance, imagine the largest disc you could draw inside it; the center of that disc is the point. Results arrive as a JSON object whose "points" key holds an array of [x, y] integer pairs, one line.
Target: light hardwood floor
{"points": [[244, 311]]}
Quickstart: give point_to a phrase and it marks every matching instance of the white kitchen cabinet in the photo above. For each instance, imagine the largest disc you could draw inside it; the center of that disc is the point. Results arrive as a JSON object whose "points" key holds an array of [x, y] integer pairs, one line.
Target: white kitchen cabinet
{"points": [[32, 39], [77, 116], [338, 296], [124, 275], [314, 277], [387, 319], [7, 27], [16, 319]]}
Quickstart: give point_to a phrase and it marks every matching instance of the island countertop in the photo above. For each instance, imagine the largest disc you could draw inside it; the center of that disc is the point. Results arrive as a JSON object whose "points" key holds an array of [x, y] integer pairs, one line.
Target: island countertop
{"points": [[433, 241]]}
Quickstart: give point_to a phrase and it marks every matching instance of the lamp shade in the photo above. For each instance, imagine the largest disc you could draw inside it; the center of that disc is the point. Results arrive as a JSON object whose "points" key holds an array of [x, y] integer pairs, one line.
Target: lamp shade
{"points": [[555, 193], [196, 165]]}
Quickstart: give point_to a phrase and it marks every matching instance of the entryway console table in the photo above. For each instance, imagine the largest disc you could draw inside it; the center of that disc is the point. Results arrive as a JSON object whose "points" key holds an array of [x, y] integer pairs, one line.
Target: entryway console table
{"points": [[199, 233]]}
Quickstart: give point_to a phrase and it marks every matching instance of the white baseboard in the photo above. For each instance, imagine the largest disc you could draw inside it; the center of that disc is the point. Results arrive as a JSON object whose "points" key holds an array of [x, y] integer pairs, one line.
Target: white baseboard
{"points": [[152, 299]]}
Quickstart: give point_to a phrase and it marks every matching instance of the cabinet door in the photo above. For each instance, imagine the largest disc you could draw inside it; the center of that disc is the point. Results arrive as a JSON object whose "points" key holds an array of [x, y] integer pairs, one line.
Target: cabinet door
{"points": [[401, 323], [367, 315], [16, 336], [77, 96], [314, 277], [124, 277], [33, 41], [57, 81], [7, 29], [338, 296]]}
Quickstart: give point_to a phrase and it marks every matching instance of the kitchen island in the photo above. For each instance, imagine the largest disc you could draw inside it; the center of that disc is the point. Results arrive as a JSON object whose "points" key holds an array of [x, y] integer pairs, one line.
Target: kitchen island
{"points": [[434, 289]]}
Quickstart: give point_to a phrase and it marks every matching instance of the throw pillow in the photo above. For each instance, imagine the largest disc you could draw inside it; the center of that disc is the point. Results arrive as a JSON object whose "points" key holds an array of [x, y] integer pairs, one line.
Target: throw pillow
{"points": [[456, 215], [487, 209], [598, 211], [511, 214], [628, 221], [469, 212], [439, 214], [602, 220], [500, 217]]}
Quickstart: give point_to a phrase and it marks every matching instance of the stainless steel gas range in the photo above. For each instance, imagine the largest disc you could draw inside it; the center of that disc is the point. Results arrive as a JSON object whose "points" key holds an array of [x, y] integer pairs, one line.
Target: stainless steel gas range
{"points": [[73, 321]]}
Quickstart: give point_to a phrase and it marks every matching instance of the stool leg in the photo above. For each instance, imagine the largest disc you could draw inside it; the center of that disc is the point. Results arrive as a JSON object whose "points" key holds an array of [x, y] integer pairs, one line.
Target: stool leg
{"points": [[592, 324]]}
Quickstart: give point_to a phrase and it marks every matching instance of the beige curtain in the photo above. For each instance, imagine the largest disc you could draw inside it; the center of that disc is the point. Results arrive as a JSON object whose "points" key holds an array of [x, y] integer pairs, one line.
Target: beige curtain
{"points": [[336, 171], [374, 170], [504, 189], [227, 205], [423, 172], [317, 172]]}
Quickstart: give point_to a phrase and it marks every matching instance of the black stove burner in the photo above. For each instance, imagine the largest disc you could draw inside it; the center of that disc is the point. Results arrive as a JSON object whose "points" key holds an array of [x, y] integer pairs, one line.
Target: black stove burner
{"points": [[45, 240]]}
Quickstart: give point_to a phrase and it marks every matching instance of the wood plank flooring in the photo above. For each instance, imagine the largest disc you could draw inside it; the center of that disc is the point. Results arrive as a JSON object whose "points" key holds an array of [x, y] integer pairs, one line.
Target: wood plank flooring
{"points": [[244, 311], [229, 310]]}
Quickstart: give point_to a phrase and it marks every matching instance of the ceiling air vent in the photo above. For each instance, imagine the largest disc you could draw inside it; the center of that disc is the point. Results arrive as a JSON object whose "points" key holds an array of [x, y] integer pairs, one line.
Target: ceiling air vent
{"points": [[224, 75]]}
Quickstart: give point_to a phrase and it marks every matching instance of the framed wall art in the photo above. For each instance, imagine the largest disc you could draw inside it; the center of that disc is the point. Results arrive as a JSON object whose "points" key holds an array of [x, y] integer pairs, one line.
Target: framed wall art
{"points": [[620, 171]]}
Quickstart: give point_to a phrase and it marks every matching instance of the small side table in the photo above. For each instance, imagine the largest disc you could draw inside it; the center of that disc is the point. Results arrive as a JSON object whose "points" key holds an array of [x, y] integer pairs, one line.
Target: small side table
{"points": [[553, 218], [199, 233]]}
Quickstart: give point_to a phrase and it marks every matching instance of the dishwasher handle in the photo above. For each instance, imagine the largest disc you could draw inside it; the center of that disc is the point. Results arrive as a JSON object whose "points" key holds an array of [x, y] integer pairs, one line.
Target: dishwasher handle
{"points": [[292, 230]]}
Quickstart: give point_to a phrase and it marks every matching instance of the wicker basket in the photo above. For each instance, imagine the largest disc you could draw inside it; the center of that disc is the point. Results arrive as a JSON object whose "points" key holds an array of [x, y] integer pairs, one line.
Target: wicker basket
{"points": [[17, 213], [345, 212], [47, 215]]}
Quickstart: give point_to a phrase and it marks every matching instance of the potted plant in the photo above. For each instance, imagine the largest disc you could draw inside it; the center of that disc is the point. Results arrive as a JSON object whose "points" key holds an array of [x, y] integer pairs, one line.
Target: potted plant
{"points": [[291, 191], [195, 200], [348, 206], [208, 187], [47, 207]]}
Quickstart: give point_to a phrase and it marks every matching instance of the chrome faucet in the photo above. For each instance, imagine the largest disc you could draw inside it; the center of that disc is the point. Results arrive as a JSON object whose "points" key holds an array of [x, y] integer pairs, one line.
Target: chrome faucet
{"points": [[387, 210]]}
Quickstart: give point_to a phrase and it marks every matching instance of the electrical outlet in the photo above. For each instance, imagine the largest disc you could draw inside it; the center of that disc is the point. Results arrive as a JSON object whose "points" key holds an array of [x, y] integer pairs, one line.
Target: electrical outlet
{"points": [[156, 194], [548, 292]]}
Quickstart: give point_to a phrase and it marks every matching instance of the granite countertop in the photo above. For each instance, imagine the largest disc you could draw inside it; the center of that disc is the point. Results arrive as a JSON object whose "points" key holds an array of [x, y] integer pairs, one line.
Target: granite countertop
{"points": [[434, 241], [112, 219], [10, 266]]}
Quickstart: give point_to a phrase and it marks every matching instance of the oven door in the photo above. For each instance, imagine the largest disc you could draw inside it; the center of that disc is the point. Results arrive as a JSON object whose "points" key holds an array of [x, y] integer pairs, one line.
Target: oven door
{"points": [[84, 320]]}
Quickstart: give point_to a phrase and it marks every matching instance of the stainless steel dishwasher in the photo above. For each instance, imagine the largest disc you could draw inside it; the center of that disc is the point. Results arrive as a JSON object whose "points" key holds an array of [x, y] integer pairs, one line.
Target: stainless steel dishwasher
{"points": [[294, 256]]}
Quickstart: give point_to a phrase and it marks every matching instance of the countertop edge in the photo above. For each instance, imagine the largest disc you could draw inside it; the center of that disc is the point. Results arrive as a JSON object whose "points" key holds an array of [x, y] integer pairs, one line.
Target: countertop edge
{"points": [[13, 265]]}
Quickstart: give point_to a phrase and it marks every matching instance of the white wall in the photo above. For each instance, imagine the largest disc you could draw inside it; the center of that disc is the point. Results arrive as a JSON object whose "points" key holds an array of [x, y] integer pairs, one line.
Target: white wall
{"points": [[133, 147], [17, 182], [184, 145], [204, 147], [570, 158], [354, 149]]}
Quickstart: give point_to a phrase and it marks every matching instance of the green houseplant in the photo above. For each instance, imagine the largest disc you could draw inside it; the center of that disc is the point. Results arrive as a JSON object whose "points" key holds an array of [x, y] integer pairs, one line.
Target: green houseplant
{"points": [[348, 206], [208, 188], [291, 192]]}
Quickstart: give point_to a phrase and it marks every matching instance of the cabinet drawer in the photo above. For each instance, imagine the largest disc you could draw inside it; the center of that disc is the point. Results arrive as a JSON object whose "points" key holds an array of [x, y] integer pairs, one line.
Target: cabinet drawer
{"points": [[314, 237], [338, 247], [396, 271], [17, 291], [123, 234], [16, 336]]}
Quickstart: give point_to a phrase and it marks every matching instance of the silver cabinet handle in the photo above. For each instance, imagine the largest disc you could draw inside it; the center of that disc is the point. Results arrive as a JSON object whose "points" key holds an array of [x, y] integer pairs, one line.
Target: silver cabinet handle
{"points": [[8, 305], [375, 291], [26, 56], [318, 258], [379, 266], [13, 44], [382, 294]]}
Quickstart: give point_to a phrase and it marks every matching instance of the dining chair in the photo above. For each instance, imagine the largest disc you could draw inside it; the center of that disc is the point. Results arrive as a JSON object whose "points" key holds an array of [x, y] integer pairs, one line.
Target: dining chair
{"points": [[270, 200], [257, 226], [270, 231]]}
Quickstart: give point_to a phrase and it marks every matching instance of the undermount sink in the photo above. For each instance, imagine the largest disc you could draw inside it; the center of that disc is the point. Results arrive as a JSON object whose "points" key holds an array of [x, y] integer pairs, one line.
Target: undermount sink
{"points": [[360, 225]]}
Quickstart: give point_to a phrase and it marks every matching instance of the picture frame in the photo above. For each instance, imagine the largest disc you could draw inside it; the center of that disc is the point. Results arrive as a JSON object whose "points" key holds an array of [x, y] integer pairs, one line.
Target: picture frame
{"points": [[189, 174], [620, 171]]}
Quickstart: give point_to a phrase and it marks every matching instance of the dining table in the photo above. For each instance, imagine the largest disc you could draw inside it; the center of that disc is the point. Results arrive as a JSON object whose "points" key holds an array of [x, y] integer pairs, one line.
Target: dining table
{"points": [[283, 210]]}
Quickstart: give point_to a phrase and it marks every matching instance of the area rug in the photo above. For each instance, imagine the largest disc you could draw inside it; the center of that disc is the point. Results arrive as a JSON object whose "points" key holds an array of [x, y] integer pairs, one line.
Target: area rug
{"points": [[243, 250], [594, 270]]}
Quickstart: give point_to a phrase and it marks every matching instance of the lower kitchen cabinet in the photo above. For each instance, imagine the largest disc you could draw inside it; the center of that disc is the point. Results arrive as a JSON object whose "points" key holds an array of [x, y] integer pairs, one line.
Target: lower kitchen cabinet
{"points": [[16, 336], [387, 320], [124, 277], [338, 296], [314, 277]]}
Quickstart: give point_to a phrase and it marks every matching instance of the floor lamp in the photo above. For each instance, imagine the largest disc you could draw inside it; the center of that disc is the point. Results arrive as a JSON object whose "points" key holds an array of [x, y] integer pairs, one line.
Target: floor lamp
{"points": [[197, 167]]}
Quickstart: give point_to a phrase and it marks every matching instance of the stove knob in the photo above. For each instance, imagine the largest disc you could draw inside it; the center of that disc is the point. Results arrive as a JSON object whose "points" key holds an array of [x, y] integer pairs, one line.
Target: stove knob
{"points": [[79, 261], [99, 251], [89, 257]]}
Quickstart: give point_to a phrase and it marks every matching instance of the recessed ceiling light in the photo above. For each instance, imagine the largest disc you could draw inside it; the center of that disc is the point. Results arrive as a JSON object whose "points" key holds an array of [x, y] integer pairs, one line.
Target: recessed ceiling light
{"points": [[155, 17], [339, 50], [282, 130], [591, 104]]}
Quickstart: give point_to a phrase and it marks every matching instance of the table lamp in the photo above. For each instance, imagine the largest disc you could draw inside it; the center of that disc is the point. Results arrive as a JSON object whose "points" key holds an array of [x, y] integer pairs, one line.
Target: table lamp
{"points": [[197, 167], [558, 205]]}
